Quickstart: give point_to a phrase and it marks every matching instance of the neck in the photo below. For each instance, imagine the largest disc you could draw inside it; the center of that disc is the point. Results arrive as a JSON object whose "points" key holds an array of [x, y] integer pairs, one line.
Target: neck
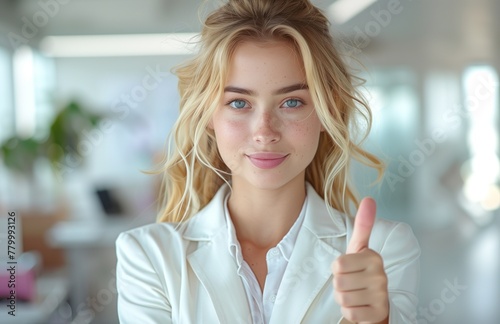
{"points": [[263, 216]]}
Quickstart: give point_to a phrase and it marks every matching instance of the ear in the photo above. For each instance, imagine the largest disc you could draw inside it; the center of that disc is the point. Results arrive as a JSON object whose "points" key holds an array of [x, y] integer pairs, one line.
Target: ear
{"points": [[210, 124]]}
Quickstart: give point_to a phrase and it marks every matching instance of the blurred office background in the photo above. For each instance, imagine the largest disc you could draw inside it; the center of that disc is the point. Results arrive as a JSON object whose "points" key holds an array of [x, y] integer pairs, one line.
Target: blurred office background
{"points": [[87, 100]]}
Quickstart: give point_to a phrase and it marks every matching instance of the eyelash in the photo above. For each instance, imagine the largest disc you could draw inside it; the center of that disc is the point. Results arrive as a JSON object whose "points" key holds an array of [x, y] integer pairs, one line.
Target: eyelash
{"points": [[302, 102]]}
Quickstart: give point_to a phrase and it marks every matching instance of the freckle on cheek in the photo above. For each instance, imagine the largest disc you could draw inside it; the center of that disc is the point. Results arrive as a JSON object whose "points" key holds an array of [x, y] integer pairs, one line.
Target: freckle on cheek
{"points": [[233, 124]]}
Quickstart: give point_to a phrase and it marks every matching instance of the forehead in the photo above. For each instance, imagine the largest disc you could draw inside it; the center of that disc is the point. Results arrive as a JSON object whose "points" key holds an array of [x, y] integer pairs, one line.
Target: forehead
{"points": [[265, 63]]}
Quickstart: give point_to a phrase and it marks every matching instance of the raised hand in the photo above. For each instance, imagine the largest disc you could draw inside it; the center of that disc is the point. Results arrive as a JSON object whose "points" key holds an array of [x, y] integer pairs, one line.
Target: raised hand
{"points": [[359, 278]]}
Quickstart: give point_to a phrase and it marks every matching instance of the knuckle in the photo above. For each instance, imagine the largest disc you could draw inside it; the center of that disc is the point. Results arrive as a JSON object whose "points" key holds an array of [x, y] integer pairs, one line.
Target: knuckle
{"points": [[378, 260], [335, 282], [375, 262], [338, 282], [335, 266], [341, 263], [379, 283], [338, 298], [382, 280], [380, 302], [374, 256], [342, 299], [350, 314]]}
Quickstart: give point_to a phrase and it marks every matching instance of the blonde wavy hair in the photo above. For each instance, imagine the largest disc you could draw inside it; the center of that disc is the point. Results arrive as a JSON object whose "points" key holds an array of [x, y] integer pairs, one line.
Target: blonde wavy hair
{"points": [[192, 168]]}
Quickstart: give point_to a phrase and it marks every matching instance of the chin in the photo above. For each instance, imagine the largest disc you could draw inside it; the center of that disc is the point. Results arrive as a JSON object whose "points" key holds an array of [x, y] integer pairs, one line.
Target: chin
{"points": [[274, 182]]}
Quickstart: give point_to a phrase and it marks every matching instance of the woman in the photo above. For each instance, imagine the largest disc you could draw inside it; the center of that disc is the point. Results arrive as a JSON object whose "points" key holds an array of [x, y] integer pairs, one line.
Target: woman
{"points": [[255, 226]]}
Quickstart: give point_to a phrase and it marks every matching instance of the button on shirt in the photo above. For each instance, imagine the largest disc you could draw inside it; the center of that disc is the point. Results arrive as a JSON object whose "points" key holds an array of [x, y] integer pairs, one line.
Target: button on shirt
{"points": [[262, 303]]}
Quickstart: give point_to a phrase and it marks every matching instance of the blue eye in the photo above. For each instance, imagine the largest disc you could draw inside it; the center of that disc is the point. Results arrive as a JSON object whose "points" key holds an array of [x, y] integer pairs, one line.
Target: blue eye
{"points": [[293, 103], [238, 104]]}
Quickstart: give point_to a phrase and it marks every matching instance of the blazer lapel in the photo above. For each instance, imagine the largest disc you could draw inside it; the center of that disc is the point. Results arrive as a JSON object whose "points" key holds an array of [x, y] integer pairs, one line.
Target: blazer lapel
{"points": [[213, 264], [217, 272], [320, 241]]}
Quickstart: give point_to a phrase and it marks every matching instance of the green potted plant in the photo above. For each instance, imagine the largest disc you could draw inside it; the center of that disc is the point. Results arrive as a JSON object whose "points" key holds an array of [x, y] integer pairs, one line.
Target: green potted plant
{"points": [[20, 154]]}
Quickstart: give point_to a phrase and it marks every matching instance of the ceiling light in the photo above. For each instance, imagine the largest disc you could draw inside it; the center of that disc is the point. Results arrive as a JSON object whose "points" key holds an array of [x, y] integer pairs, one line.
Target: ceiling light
{"points": [[119, 45], [24, 91], [342, 11]]}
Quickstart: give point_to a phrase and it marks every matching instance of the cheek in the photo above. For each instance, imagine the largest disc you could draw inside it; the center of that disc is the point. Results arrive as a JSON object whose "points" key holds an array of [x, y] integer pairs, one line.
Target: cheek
{"points": [[306, 138], [306, 131], [230, 136], [227, 130]]}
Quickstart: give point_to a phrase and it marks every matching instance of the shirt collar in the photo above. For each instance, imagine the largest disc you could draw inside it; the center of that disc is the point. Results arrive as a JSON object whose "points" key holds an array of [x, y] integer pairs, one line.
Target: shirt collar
{"points": [[233, 244], [285, 246], [288, 242], [321, 220]]}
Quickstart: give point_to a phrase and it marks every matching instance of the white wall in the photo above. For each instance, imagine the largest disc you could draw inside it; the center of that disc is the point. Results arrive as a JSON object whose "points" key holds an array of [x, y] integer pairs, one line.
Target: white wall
{"points": [[139, 101]]}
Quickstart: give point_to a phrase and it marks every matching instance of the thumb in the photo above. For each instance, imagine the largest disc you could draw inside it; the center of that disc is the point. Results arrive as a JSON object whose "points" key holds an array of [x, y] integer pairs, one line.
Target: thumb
{"points": [[363, 224]]}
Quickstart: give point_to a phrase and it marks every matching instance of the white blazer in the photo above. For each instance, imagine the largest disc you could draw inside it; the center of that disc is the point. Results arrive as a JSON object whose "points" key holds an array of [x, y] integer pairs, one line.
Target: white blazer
{"points": [[185, 273]]}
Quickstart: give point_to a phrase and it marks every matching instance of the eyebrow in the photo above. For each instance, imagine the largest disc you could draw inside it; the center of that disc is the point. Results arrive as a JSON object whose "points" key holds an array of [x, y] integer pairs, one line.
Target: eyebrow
{"points": [[291, 88]]}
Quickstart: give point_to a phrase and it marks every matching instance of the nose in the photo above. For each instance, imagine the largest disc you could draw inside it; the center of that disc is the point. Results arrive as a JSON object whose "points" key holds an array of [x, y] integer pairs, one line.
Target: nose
{"points": [[267, 129]]}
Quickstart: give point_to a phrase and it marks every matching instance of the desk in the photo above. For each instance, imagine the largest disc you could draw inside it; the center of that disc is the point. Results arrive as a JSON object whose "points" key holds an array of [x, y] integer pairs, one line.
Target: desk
{"points": [[81, 240]]}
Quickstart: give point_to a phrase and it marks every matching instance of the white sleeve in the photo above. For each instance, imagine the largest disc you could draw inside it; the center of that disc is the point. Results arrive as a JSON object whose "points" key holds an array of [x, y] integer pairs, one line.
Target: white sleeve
{"points": [[141, 296], [401, 254]]}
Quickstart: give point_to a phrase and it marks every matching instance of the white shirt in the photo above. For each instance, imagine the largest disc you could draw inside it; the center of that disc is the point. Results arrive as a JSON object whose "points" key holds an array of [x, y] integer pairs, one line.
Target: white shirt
{"points": [[261, 303]]}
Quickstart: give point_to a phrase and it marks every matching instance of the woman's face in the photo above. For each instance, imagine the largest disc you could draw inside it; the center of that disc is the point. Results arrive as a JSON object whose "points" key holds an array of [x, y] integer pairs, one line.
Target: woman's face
{"points": [[266, 128]]}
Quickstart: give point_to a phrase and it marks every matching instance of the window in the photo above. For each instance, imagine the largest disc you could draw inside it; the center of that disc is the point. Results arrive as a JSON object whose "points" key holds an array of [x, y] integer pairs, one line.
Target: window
{"points": [[392, 96], [6, 105], [481, 109], [34, 82]]}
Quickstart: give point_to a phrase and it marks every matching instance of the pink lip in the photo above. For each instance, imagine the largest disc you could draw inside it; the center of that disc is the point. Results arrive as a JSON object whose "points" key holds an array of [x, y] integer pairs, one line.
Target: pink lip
{"points": [[267, 160]]}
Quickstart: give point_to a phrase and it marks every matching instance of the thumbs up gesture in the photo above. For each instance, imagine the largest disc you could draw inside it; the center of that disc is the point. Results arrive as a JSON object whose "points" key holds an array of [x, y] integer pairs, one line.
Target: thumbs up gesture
{"points": [[359, 278]]}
